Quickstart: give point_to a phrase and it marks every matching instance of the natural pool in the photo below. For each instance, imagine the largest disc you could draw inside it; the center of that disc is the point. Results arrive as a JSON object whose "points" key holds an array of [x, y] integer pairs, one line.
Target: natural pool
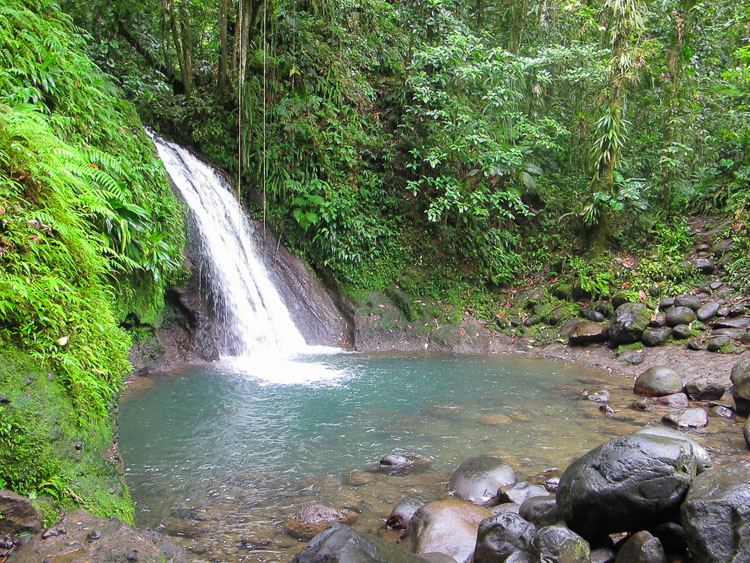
{"points": [[221, 458]]}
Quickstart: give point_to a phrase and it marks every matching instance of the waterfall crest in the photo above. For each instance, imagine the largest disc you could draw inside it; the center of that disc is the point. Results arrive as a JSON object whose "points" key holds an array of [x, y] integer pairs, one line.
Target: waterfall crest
{"points": [[254, 320]]}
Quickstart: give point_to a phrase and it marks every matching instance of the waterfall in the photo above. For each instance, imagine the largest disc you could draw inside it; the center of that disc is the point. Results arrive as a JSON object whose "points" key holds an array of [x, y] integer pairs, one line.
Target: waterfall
{"points": [[256, 321]]}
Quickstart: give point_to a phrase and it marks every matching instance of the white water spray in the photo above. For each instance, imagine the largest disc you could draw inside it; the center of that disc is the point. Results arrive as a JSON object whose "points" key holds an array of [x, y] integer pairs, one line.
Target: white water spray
{"points": [[260, 333]]}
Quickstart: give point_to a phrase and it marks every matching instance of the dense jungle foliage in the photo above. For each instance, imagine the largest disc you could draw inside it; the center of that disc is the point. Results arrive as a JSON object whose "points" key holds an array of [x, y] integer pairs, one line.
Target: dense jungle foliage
{"points": [[469, 144], [90, 233]]}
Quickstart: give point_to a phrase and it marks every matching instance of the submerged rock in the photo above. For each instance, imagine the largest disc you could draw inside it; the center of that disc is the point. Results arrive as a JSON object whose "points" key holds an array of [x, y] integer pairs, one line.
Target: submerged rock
{"points": [[626, 484], [81, 536], [675, 400], [716, 515], [313, 518], [402, 513], [394, 464], [477, 479], [446, 526]]}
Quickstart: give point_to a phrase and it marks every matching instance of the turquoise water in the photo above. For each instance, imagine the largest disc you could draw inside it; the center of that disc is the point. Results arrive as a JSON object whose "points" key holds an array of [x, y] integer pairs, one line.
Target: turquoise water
{"points": [[216, 456]]}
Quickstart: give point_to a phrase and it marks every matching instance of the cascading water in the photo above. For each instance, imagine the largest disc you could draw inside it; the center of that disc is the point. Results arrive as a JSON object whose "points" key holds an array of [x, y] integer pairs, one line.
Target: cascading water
{"points": [[260, 333]]}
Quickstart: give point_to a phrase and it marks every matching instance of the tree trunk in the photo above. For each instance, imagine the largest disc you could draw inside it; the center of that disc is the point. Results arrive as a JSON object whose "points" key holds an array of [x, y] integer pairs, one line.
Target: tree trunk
{"points": [[187, 48], [221, 82]]}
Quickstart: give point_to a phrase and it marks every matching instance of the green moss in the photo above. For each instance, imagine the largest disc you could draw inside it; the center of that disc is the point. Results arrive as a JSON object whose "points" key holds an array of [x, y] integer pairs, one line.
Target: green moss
{"points": [[46, 449], [625, 347]]}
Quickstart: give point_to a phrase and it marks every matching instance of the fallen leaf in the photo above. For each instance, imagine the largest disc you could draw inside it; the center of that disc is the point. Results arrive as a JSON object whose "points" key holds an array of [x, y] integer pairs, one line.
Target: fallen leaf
{"points": [[62, 341]]}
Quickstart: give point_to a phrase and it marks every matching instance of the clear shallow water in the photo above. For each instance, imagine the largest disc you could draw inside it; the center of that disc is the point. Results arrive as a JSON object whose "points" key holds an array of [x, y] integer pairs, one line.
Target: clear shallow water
{"points": [[220, 458]]}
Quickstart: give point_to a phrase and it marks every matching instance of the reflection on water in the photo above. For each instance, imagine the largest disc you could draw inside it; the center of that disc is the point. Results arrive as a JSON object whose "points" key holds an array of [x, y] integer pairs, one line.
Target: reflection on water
{"points": [[219, 457]]}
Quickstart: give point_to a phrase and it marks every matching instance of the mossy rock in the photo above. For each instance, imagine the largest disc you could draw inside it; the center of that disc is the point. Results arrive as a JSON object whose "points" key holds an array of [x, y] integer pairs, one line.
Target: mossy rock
{"points": [[402, 301], [46, 449]]}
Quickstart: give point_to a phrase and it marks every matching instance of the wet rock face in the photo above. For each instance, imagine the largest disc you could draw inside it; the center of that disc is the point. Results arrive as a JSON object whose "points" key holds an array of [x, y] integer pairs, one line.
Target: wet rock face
{"points": [[477, 479], [341, 544], [81, 536], [313, 518], [499, 536], [741, 386], [446, 526], [630, 320], [626, 484], [716, 515]]}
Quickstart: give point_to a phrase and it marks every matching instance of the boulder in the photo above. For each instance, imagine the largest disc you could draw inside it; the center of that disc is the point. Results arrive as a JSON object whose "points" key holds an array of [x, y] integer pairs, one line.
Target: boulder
{"points": [[505, 507], [641, 547], [681, 332], [402, 513], [501, 535], [567, 327], [666, 303], [592, 315], [558, 544], [705, 265], [629, 322], [21, 515], [657, 381], [687, 418], [680, 316], [716, 515], [655, 336], [671, 536], [520, 492], [675, 400], [707, 311], [626, 484], [540, 511], [603, 555], [687, 300], [716, 343], [740, 378], [341, 544], [477, 479], [446, 526], [313, 518], [705, 389], [587, 332], [632, 357], [81, 536], [736, 324], [658, 321], [701, 454]]}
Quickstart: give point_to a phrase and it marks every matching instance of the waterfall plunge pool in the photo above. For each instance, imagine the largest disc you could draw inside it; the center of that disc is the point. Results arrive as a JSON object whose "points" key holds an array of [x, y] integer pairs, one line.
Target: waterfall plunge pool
{"points": [[219, 458]]}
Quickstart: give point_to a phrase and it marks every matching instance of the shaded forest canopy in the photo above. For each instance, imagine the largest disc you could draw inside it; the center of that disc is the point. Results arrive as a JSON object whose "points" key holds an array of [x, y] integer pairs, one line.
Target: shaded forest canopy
{"points": [[482, 140]]}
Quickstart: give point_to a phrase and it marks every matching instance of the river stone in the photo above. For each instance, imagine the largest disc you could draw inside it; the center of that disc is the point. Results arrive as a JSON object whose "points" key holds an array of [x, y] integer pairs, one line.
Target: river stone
{"points": [[716, 515], [655, 336], [740, 378], [520, 492], [505, 507], [701, 454], [658, 321], [541, 510], [592, 315], [629, 322], [642, 404], [675, 400], [601, 396], [402, 513], [722, 411], [687, 418], [689, 301], [707, 311], [603, 555], [501, 535], [21, 515], [446, 526], [671, 536], [680, 316], [587, 332], [559, 544], [632, 357], [313, 518], [666, 303], [705, 265], [626, 484], [567, 327], [705, 389], [716, 343], [73, 540], [657, 381], [725, 332], [737, 310], [477, 479], [341, 544], [681, 332], [641, 547], [737, 324], [395, 464]]}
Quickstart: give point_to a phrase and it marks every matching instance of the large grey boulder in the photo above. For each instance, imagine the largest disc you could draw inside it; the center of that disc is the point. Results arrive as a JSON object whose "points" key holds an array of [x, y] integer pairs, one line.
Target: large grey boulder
{"points": [[687, 300], [629, 322], [499, 536], [707, 311], [341, 544], [741, 386], [477, 479], [701, 454], [626, 484], [716, 515], [658, 381], [446, 526], [558, 544], [680, 316]]}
